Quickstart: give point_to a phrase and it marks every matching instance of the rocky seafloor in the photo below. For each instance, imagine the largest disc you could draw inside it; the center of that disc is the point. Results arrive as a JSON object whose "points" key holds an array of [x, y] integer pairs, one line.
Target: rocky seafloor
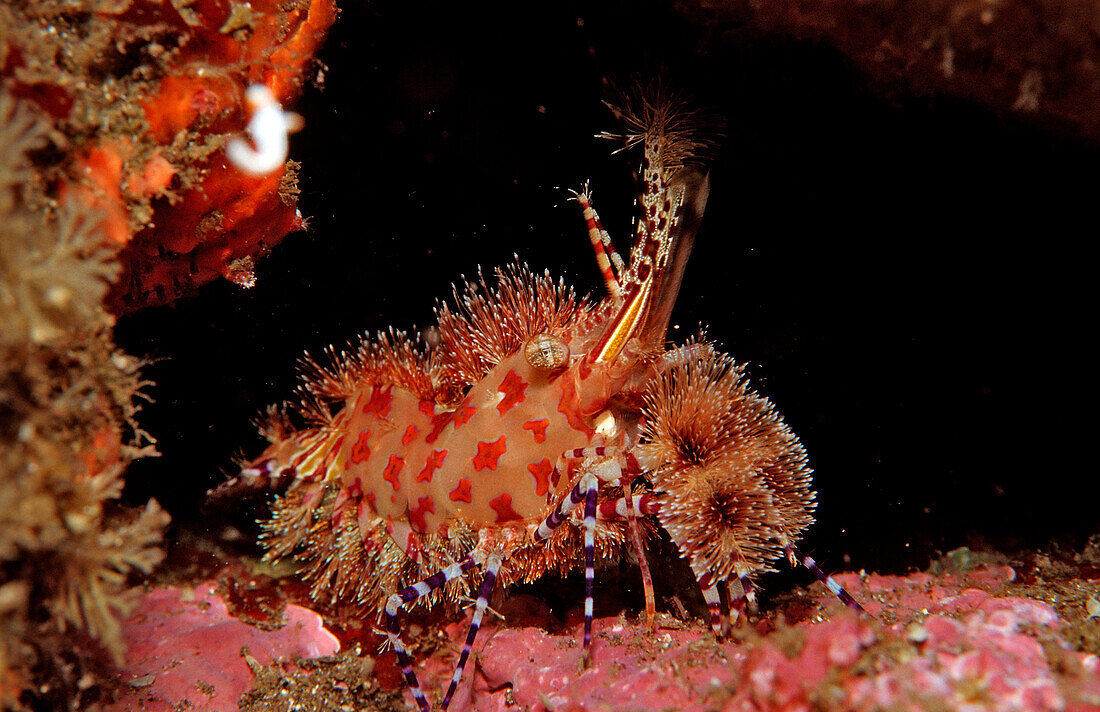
{"points": [[971, 633]]}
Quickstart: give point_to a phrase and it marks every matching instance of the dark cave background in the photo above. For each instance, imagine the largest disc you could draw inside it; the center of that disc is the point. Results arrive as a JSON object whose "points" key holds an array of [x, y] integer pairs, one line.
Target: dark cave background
{"points": [[905, 274]]}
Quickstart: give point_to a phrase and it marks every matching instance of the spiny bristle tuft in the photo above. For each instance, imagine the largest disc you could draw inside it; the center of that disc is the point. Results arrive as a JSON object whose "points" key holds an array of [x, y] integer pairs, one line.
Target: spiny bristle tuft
{"points": [[275, 424], [347, 566], [391, 358], [722, 520], [490, 323], [314, 409], [674, 133], [734, 483], [564, 550]]}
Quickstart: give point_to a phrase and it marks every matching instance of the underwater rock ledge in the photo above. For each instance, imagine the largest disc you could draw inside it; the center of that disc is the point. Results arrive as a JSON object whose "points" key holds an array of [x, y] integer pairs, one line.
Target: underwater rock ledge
{"points": [[949, 642], [959, 637]]}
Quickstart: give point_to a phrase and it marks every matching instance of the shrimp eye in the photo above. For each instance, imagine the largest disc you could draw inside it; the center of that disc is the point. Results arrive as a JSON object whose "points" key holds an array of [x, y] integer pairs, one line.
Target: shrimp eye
{"points": [[546, 352]]}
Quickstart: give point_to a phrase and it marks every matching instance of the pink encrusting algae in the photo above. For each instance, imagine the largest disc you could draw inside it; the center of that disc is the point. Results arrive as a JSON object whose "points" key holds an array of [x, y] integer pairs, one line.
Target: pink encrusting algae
{"points": [[185, 650], [946, 642]]}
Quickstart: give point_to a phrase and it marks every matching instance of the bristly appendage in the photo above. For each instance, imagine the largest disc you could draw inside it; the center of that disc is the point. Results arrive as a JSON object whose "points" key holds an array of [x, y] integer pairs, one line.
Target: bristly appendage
{"points": [[488, 323], [730, 478], [676, 141], [673, 133]]}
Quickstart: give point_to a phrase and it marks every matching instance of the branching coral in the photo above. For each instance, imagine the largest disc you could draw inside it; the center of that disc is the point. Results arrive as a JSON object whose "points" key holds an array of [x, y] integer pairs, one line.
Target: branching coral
{"points": [[67, 432]]}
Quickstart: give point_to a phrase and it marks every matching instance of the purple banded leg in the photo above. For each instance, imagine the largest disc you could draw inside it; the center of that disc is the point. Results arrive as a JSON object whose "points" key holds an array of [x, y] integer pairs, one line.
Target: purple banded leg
{"points": [[609, 471], [407, 595], [589, 561], [623, 507], [562, 511], [492, 565], [584, 491], [846, 598]]}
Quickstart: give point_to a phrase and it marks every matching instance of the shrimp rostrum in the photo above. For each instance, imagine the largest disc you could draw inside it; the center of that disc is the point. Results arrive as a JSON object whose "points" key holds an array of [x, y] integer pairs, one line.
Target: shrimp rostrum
{"points": [[541, 430]]}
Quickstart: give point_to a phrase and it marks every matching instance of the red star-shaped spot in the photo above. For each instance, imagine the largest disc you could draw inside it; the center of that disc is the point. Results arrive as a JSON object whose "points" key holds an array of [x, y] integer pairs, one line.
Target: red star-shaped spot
{"points": [[410, 433], [538, 429], [435, 461], [381, 400], [569, 405], [427, 408], [541, 472], [462, 492], [463, 414], [514, 389], [439, 421], [489, 453], [502, 505], [360, 451], [393, 471], [418, 516]]}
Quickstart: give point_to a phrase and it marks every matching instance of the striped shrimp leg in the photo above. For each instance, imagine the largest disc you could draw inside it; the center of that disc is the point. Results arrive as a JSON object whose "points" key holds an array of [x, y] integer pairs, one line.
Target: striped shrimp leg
{"points": [[794, 555], [721, 619], [619, 509], [492, 566], [745, 601], [612, 471], [643, 563], [607, 259], [409, 594], [584, 491], [630, 508], [709, 587], [589, 564]]}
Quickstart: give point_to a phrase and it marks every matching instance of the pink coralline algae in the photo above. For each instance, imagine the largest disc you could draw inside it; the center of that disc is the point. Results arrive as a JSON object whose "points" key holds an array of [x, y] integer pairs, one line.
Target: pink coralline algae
{"points": [[948, 642], [186, 652]]}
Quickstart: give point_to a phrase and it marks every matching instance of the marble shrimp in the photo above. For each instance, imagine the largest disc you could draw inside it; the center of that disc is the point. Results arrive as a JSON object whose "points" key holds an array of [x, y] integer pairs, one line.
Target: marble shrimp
{"points": [[540, 430]]}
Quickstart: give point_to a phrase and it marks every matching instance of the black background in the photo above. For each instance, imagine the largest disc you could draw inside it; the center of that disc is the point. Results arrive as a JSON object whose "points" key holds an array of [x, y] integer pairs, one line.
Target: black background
{"points": [[906, 275]]}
